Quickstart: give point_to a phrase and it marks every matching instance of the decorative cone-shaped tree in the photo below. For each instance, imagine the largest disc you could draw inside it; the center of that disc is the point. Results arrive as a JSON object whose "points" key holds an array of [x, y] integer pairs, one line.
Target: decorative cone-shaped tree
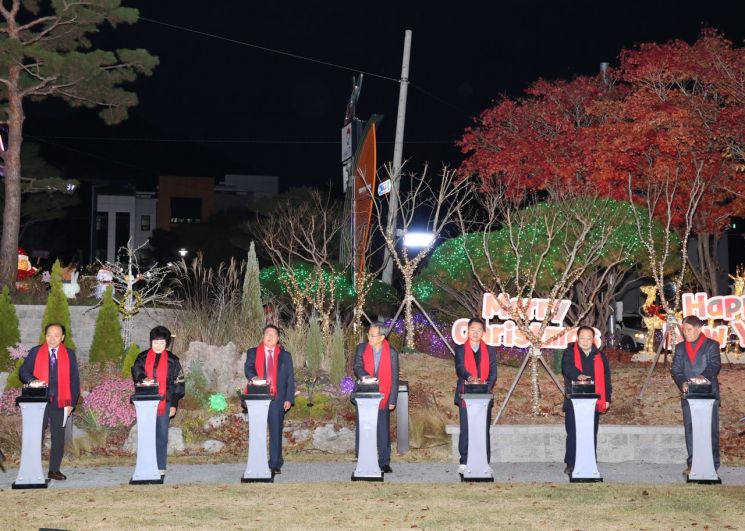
{"points": [[57, 310], [9, 333], [251, 307], [107, 342], [129, 359]]}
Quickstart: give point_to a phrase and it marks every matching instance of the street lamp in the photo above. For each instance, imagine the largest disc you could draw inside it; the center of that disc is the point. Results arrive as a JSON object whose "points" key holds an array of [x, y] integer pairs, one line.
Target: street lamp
{"points": [[183, 252], [418, 239]]}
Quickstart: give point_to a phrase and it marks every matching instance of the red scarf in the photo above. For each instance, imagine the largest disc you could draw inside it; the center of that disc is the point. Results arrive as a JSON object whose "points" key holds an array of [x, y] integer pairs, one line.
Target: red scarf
{"points": [[261, 364], [161, 375], [470, 364], [692, 351], [385, 373], [599, 370], [41, 372]]}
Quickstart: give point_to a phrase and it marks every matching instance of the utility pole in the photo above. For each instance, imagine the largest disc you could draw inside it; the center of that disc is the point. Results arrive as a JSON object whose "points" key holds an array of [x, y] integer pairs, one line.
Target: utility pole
{"points": [[398, 151]]}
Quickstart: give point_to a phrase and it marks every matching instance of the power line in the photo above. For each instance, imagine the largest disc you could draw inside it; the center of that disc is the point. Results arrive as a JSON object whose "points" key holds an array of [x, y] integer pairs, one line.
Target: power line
{"points": [[304, 58], [267, 49], [217, 140], [45, 140]]}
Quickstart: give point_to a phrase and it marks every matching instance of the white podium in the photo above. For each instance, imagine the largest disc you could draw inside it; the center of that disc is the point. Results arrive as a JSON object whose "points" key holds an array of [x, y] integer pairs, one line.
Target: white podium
{"points": [[257, 465], [477, 464], [30, 473], [585, 462], [146, 467], [367, 454], [702, 464]]}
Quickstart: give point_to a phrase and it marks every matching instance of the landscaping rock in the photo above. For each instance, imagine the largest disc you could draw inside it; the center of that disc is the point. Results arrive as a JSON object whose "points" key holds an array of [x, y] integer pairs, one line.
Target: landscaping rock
{"points": [[327, 439], [213, 446], [3, 382], [215, 422], [130, 445], [175, 441], [222, 366], [301, 435]]}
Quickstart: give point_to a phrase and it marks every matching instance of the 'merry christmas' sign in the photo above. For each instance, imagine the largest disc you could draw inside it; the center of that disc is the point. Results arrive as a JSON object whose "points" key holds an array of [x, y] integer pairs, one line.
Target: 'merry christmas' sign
{"points": [[506, 332]]}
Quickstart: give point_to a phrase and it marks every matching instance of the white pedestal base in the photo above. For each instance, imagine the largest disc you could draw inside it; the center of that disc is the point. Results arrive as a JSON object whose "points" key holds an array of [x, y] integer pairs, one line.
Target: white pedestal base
{"points": [[367, 454]]}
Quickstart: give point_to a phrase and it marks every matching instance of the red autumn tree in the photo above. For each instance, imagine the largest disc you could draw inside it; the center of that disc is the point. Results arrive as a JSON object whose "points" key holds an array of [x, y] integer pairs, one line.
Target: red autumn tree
{"points": [[669, 114]]}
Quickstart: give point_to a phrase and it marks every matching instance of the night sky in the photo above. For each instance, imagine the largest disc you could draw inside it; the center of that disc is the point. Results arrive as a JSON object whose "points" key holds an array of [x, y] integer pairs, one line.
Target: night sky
{"points": [[214, 107]]}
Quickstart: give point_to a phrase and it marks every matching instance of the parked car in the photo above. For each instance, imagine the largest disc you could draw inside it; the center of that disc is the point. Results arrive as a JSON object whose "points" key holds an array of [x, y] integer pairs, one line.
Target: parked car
{"points": [[630, 333]]}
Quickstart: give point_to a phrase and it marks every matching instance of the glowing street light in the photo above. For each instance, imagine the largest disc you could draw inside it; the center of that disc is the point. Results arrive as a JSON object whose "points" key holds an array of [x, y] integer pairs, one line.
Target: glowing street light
{"points": [[183, 252], [418, 239]]}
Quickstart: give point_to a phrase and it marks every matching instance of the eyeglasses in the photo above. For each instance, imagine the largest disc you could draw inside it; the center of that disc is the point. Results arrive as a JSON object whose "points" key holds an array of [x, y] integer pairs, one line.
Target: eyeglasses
{"points": [[374, 335]]}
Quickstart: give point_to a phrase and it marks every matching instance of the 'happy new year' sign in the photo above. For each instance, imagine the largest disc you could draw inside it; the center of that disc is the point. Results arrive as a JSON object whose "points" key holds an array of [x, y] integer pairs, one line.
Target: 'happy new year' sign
{"points": [[727, 308]]}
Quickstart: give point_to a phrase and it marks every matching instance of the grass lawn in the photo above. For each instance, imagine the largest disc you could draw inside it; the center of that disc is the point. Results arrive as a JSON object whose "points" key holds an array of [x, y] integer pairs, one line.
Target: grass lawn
{"points": [[374, 506]]}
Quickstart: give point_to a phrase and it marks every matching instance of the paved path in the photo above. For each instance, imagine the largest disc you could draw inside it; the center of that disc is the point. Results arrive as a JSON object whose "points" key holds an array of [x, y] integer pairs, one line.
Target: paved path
{"points": [[314, 472]]}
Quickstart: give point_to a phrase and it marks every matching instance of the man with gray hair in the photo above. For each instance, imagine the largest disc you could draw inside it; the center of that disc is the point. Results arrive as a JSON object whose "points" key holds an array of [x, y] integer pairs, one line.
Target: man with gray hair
{"points": [[377, 359], [697, 355]]}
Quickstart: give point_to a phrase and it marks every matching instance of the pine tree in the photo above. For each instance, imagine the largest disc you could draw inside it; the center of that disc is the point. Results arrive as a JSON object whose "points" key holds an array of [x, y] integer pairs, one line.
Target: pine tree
{"points": [[338, 360], [48, 51], [10, 334], [56, 310], [107, 344], [314, 347], [251, 308], [129, 359]]}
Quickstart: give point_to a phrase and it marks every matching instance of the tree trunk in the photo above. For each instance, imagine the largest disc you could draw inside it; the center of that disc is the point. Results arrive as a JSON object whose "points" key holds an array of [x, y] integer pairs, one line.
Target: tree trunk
{"points": [[408, 315], [12, 211], [535, 353]]}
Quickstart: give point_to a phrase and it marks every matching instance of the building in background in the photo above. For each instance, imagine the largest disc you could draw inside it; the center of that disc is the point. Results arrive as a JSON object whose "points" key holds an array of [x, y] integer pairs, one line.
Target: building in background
{"points": [[121, 211]]}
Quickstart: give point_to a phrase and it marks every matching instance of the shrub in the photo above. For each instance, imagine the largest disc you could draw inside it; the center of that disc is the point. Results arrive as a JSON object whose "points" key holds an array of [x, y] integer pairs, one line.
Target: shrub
{"points": [[10, 334], [17, 353], [320, 408], [196, 384], [107, 342], [338, 358], [294, 340], [8, 402], [57, 310], [210, 309], [109, 405], [129, 359], [314, 347], [427, 428]]}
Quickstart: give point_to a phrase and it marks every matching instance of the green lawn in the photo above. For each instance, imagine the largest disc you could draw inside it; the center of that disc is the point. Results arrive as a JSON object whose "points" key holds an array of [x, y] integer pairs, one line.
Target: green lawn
{"points": [[375, 506]]}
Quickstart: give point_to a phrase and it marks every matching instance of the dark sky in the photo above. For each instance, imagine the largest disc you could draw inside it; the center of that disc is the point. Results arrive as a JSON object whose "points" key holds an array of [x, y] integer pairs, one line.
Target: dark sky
{"points": [[283, 114]]}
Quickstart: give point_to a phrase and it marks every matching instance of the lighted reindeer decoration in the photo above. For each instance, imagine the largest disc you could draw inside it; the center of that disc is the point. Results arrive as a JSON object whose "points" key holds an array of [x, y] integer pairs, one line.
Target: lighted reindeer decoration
{"points": [[738, 289], [653, 317]]}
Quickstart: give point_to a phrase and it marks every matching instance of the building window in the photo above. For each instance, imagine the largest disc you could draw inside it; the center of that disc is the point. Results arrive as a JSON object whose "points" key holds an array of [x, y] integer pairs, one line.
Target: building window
{"points": [[186, 210], [145, 223]]}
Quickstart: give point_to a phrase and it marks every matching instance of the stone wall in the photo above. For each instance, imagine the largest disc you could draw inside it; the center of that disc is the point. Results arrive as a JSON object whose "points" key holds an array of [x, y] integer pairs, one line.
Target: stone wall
{"points": [[616, 443], [83, 322]]}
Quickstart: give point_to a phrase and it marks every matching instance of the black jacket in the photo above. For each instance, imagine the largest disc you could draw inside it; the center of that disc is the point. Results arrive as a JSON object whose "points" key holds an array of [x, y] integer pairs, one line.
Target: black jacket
{"points": [[175, 384], [359, 370], [285, 374], [571, 372], [26, 373], [707, 363], [460, 369]]}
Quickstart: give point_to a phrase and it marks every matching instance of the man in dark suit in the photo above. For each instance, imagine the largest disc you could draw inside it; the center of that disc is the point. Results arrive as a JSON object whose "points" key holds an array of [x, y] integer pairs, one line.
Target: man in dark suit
{"points": [[697, 355], [378, 359], [56, 365], [270, 362], [475, 362]]}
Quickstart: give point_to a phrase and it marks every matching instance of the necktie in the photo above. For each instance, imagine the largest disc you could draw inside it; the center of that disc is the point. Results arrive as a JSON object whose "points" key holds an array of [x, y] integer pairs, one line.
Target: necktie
{"points": [[53, 358]]}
